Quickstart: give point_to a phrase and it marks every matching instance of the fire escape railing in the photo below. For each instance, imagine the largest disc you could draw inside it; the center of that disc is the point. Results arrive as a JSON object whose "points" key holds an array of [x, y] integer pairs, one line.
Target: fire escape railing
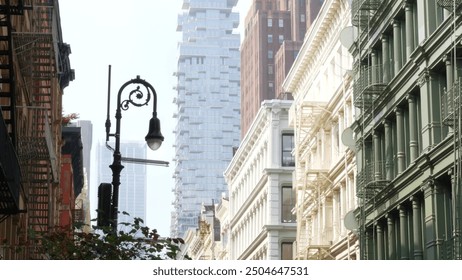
{"points": [[371, 180], [369, 85], [10, 176], [451, 5], [362, 10], [450, 103], [37, 54]]}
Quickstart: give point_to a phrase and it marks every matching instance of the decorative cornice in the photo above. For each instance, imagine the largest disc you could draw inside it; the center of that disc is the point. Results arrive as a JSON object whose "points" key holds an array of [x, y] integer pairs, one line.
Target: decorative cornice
{"points": [[313, 43]]}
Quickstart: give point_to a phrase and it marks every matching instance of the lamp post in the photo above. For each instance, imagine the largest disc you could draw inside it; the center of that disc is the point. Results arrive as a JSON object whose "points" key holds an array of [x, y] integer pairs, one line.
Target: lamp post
{"points": [[138, 97]]}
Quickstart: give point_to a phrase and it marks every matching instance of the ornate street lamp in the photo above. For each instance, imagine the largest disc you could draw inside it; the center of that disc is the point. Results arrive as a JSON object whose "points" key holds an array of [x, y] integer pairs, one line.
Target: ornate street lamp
{"points": [[138, 97]]}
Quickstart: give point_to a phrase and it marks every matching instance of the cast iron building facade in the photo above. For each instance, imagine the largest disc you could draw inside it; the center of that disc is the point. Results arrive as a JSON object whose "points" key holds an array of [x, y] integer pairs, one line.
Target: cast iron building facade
{"points": [[208, 106], [407, 92]]}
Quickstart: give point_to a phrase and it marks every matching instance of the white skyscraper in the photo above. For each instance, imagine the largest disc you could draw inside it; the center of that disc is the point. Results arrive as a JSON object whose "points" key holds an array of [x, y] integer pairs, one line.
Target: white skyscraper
{"points": [[208, 102], [133, 178]]}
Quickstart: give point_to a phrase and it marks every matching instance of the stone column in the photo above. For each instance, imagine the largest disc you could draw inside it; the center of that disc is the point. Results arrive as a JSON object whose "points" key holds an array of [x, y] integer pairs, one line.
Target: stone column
{"points": [[380, 242], [440, 219], [398, 56], [431, 251], [391, 237], [409, 17], [417, 227], [274, 136], [430, 110], [456, 222], [388, 150], [400, 139], [368, 253], [337, 218], [377, 155], [449, 72], [334, 140], [344, 203], [413, 140], [426, 19], [403, 232], [341, 128], [375, 67], [386, 59]]}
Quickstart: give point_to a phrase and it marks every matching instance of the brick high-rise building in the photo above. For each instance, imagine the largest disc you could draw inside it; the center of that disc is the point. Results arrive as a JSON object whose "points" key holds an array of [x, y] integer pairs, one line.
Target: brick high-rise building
{"points": [[268, 24]]}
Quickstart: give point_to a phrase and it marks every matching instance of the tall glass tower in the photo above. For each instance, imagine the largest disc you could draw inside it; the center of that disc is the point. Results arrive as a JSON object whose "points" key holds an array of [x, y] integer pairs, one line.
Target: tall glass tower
{"points": [[208, 102]]}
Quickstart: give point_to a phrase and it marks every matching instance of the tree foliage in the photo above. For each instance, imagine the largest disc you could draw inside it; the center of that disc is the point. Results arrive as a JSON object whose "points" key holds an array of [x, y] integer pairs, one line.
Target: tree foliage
{"points": [[137, 242]]}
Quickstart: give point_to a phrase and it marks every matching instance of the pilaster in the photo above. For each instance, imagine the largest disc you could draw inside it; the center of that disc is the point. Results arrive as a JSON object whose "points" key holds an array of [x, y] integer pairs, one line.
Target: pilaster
{"points": [[388, 150], [398, 56], [403, 232], [400, 139], [386, 59], [380, 242], [409, 17], [417, 227], [391, 237], [413, 140], [430, 110]]}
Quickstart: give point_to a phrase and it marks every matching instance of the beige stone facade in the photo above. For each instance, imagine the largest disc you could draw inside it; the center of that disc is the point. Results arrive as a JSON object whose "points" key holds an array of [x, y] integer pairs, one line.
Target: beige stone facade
{"points": [[321, 85]]}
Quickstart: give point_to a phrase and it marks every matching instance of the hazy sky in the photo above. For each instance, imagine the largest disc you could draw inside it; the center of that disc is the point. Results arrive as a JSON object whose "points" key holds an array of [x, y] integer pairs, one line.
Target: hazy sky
{"points": [[136, 37]]}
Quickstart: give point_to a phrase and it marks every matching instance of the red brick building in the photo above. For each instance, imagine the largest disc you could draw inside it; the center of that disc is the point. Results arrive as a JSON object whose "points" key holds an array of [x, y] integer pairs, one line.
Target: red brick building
{"points": [[268, 24]]}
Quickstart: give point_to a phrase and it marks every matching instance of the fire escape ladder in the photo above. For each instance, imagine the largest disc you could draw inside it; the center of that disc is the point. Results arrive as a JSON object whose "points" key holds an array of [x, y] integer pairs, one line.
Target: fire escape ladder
{"points": [[7, 85], [37, 57], [369, 84], [451, 5], [306, 121], [457, 182], [319, 242], [10, 175], [363, 10], [311, 174], [452, 117]]}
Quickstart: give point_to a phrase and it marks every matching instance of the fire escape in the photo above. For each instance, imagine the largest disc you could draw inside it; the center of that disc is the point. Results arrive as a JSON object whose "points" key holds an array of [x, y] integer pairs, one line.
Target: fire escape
{"points": [[311, 179], [34, 68], [371, 79], [10, 175], [37, 58], [452, 117]]}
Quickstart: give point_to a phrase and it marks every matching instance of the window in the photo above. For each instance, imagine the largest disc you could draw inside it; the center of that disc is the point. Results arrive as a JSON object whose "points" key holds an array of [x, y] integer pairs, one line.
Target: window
{"points": [[302, 18], [270, 38], [270, 54], [281, 22], [287, 148], [281, 39], [270, 22], [270, 70], [286, 251], [288, 203]]}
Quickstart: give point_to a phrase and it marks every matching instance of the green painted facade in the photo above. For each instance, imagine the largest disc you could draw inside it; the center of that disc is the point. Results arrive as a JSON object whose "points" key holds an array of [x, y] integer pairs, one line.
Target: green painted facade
{"points": [[407, 68]]}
